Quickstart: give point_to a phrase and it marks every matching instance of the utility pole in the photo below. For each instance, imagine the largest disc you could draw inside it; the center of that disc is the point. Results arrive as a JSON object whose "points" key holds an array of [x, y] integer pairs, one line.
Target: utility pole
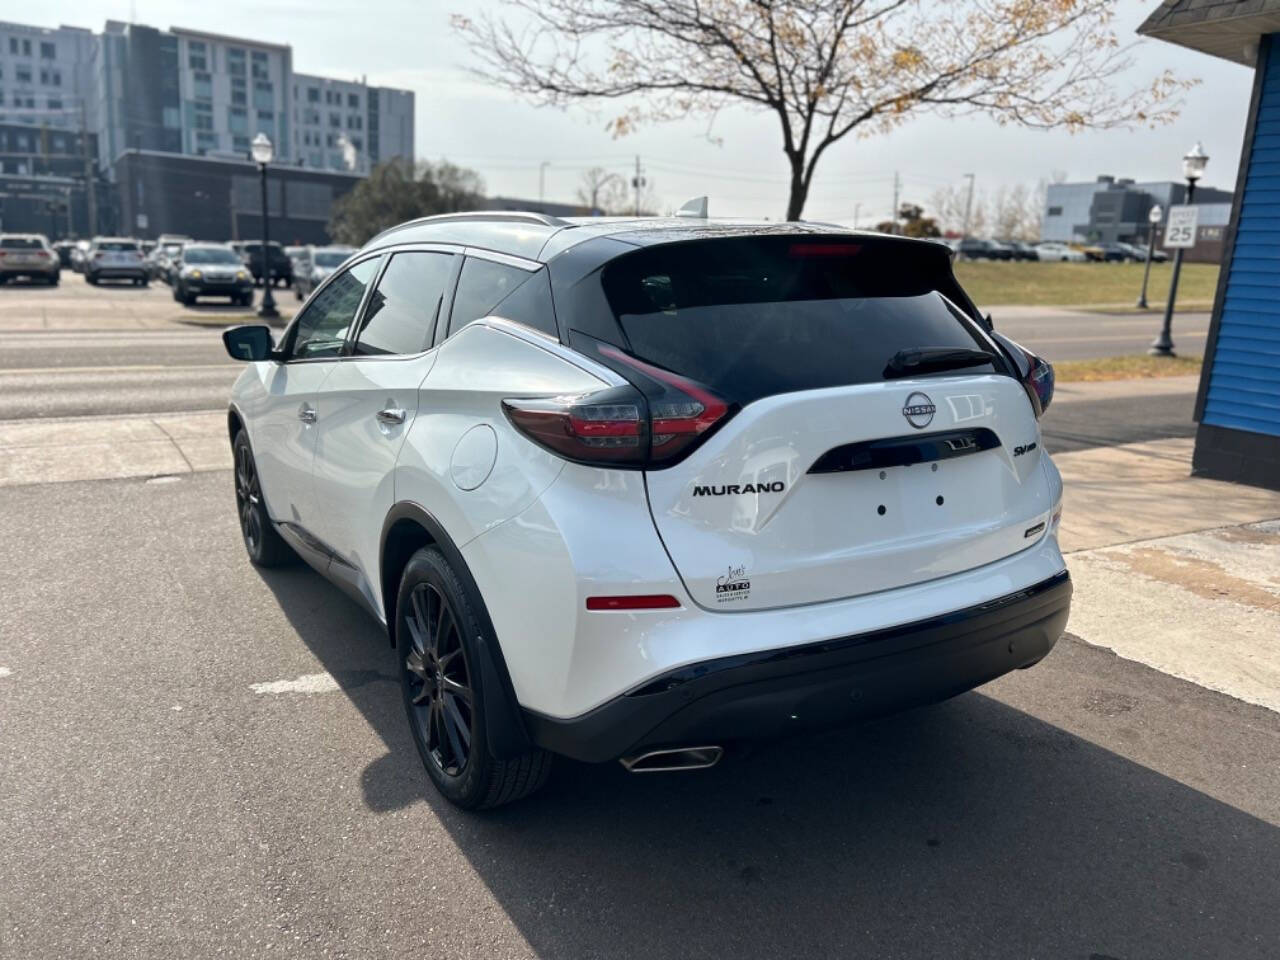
{"points": [[857, 209], [542, 180], [637, 182], [897, 187], [90, 188], [968, 207]]}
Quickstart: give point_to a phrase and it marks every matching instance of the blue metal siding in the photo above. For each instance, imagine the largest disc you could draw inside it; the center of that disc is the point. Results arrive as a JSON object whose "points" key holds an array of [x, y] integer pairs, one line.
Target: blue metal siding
{"points": [[1244, 384]]}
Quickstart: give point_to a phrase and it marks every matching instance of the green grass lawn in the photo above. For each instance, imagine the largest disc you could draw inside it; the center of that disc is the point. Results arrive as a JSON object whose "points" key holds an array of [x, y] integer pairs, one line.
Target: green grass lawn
{"points": [[992, 284]]}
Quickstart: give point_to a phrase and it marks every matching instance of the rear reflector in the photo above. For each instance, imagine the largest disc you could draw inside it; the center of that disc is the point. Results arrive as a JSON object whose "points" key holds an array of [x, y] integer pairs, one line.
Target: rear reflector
{"points": [[650, 601]]}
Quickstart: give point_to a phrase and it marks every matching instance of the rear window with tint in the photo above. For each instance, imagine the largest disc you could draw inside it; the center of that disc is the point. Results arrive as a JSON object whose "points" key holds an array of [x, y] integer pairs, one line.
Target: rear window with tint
{"points": [[117, 246], [20, 243], [753, 317]]}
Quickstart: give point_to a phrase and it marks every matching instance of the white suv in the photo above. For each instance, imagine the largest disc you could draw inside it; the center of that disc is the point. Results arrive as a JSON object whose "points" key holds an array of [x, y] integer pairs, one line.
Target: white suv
{"points": [[640, 489]]}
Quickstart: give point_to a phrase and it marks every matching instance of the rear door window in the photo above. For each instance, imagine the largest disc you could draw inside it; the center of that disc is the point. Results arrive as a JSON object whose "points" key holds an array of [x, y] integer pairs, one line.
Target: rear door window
{"points": [[483, 285], [754, 317], [402, 311]]}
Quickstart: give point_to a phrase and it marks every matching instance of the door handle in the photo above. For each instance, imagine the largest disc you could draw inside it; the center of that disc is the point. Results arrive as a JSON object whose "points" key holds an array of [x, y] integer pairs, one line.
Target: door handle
{"points": [[307, 414], [391, 415]]}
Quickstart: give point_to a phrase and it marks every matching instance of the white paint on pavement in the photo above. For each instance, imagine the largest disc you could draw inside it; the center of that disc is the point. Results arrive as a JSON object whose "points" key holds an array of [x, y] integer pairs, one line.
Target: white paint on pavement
{"points": [[5, 671], [1203, 606], [307, 683]]}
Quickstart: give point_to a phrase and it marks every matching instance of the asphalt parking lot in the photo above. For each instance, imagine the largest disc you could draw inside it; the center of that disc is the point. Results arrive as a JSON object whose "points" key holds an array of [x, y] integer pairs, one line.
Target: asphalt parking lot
{"points": [[201, 759]]}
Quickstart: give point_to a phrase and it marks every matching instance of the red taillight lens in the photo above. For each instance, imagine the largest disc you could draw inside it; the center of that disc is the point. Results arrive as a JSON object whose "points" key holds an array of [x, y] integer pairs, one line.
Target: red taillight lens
{"points": [[651, 423], [653, 601], [607, 427], [680, 411]]}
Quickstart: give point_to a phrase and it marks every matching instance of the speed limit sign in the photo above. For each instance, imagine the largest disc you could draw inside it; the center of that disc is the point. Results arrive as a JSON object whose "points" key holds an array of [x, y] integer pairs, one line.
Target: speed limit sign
{"points": [[1180, 231]]}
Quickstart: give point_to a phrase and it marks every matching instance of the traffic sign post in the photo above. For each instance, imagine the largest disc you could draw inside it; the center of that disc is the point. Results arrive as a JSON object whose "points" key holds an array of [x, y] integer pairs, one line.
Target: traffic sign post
{"points": [[1180, 233]]}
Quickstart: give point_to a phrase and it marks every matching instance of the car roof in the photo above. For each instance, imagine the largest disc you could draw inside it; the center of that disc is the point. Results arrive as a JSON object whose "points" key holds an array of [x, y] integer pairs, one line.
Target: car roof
{"points": [[539, 237]]}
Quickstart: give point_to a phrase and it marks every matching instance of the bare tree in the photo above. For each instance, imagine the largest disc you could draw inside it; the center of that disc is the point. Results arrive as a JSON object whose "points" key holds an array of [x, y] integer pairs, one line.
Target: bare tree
{"points": [[947, 205], [598, 189], [823, 68]]}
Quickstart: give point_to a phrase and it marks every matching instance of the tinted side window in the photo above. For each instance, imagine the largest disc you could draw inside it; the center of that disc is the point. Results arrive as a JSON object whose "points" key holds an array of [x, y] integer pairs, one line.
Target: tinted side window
{"points": [[530, 304], [402, 311], [482, 285], [322, 328]]}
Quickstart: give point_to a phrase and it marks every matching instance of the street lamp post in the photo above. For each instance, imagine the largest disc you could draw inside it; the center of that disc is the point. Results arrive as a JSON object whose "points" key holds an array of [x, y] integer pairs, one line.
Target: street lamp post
{"points": [[1153, 218], [1193, 165], [263, 153]]}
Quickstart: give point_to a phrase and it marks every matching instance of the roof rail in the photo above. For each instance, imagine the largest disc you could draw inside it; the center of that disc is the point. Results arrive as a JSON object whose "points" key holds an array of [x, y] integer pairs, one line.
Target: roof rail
{"points": [[483, 216]]}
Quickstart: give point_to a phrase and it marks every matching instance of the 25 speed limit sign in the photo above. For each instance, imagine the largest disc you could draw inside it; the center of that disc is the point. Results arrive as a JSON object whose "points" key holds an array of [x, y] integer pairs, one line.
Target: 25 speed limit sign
{"points": [[1180, 231]]}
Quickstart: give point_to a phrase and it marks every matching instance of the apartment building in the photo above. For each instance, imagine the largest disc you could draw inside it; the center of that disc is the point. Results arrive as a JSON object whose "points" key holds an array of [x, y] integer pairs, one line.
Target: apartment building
{"points": [[44, 75], [349, 125]]}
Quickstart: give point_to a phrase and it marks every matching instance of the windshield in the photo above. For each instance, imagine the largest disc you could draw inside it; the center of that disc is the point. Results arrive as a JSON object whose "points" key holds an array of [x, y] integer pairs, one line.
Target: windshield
{"points": [[755, 317], [330, 258], [210, 255]]}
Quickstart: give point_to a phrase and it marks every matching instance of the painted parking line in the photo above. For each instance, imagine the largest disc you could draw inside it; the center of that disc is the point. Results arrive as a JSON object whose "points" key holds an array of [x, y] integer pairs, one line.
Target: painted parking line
{"points": [[307, 683]]}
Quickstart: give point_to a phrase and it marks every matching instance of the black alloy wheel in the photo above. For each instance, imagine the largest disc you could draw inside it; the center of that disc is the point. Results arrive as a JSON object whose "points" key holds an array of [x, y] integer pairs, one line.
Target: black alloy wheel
{"points": [[441, 632], [263, 544], [439, 680]]}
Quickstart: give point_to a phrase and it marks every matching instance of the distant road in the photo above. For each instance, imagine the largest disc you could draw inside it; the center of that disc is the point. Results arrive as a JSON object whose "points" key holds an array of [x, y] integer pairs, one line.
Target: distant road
{"points": [[1058, 334]]}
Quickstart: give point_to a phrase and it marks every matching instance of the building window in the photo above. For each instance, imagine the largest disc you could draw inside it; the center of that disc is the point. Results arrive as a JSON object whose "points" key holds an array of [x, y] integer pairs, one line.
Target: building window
{"points": [[335, 121], [203, 121], [48, 51], [353, 100], [240, 143], [238, 120], [57, 78], [313, 94], [13, 46], [268, 115], [202, 86], [54, 103], [26, 48], [1054, 212], [23, 74]]}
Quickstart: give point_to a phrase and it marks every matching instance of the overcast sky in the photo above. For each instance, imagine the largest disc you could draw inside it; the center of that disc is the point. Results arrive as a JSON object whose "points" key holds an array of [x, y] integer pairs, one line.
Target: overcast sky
{"points": [[409, 44]]}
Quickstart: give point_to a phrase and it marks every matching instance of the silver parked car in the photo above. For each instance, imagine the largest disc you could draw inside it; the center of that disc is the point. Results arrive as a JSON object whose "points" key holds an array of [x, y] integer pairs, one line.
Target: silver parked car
{"points": [[313, 264], [28, 255]]}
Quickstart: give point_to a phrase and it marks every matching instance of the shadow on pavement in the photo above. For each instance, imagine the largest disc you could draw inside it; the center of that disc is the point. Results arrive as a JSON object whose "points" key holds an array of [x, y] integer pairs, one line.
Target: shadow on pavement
{"points": [[966, 829]]}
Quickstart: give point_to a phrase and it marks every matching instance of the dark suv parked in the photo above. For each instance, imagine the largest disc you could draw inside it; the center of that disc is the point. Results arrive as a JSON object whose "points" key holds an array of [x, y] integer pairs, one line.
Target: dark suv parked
{"points": [[281, 265]]}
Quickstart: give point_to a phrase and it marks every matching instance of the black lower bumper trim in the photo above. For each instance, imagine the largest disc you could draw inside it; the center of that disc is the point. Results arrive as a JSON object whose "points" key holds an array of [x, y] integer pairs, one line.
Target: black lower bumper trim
{"points": [[834, 682]]}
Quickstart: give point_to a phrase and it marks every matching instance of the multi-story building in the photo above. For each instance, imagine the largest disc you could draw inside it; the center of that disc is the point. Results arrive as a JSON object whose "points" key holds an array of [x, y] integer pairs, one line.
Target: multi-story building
{"points": [[349, 125], [45, 75], [1106, 209]]}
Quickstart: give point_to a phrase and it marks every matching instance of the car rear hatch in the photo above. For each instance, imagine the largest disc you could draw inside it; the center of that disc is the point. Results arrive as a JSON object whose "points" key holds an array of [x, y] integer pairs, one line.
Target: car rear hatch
{"points": [[117, 256], [873, 437]]}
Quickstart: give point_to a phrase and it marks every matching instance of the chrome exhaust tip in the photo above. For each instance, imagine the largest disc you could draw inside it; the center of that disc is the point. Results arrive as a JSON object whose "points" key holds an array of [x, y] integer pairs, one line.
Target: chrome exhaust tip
{"points": [[676, 758]]}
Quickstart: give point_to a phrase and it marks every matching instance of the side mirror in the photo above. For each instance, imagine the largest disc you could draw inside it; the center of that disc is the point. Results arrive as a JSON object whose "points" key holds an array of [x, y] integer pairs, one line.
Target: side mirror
{"points": [[248, 342]]}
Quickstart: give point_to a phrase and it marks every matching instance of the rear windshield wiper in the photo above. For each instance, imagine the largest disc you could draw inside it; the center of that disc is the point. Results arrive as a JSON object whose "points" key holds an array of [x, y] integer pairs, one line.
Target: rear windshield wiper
{"points": [[907, 363]]}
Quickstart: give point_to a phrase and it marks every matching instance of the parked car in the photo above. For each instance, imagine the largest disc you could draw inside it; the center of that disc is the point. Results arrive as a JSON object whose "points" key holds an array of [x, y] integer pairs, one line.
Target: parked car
{"points": [[281, 267], [1023, 251], [28, 255], [314, 264], [1053, 250], [1117, 253], [741, 480], [64, 248], [1001, 251], [973, 248], [78, 255], [1138, 252], [212, 270], [115, 258]]}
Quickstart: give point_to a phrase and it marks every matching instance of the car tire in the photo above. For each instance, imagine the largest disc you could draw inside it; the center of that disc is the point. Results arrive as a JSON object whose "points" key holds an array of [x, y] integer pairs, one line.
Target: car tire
{"points": [[93, 281], [265, 546], [444, 694]]}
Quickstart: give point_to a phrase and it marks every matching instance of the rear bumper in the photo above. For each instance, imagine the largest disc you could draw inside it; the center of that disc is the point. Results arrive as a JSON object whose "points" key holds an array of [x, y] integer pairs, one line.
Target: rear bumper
{"points": [[118, 273], [31, 270], [812, 686]]}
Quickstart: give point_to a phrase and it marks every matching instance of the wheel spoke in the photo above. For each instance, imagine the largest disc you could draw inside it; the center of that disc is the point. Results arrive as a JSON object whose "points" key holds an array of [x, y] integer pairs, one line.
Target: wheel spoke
{"points": [[456, 721], [416, 638], [416, 665], [418, 620], [450, 726], [454, 688], [441, 633]]}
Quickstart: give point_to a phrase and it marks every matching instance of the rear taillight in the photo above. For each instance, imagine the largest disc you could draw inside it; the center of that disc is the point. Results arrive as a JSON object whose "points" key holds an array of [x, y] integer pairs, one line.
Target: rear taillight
{"points": [[651, 423], [1036, 374], [606, 427]]}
